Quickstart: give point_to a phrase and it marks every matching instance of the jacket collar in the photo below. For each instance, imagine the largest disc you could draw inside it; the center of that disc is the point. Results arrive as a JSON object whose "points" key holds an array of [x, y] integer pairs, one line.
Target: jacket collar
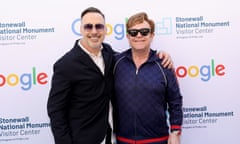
{"points": [[152, 55]]}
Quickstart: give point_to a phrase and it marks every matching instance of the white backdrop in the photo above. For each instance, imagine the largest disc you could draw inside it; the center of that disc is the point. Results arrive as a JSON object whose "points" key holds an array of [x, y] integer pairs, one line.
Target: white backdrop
{"points": [[202, 37]]}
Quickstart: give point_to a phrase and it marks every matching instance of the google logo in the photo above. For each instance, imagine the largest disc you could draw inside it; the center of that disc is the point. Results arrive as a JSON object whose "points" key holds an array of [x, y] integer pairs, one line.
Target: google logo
{"points": [[26, 80], [205, 71], [119, 29]]}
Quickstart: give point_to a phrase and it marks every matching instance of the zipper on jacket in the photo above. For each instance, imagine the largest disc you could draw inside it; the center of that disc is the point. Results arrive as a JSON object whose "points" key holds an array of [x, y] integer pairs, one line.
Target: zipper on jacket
{"points": [[136, 71], [135, 111], [136, 94]]}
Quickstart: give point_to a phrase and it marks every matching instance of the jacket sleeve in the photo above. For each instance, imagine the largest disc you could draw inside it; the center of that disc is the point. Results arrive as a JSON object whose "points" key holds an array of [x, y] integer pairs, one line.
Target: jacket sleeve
{"points": [[56, 106], [174, 99]]}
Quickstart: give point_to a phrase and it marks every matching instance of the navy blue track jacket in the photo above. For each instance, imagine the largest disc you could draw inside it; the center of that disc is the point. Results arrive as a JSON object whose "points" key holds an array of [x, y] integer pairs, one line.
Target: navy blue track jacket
{"points": [[143, 97]]}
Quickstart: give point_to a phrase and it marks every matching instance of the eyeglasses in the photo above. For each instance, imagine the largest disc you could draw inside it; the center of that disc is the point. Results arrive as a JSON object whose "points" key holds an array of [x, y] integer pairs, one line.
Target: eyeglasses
{"points": [[143, 32], [89, 27]]}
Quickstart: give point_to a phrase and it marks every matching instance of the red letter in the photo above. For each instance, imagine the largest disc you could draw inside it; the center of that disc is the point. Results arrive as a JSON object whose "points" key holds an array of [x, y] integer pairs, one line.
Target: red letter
{"points": [[41, 77], [219, 68]]}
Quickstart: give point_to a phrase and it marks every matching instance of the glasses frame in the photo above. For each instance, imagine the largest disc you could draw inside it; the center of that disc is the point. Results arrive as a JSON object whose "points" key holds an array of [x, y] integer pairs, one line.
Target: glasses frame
{"points": [[89, 27], [143, 32]]}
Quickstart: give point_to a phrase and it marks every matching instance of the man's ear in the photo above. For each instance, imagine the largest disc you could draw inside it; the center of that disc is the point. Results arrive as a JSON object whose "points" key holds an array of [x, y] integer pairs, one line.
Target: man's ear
{"points": [[127, 35]]}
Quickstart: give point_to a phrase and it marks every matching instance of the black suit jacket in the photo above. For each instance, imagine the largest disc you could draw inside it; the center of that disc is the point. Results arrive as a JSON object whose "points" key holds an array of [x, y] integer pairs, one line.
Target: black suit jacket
{"points": [[78, 101]]}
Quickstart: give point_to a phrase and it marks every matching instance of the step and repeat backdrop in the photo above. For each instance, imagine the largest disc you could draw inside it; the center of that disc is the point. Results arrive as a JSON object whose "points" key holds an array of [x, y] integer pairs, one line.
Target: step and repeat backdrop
{"points": [[202, 38]]}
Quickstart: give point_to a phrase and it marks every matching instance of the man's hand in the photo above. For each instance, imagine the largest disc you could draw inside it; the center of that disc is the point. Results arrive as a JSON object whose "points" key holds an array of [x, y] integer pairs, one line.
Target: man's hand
{"points": [[174, 139], [167, 61]]}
